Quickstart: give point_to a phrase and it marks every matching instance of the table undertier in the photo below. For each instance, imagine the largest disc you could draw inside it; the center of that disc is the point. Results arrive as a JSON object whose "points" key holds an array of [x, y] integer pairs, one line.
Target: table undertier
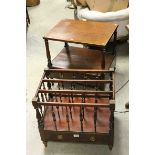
{"points": [[81, 58]]}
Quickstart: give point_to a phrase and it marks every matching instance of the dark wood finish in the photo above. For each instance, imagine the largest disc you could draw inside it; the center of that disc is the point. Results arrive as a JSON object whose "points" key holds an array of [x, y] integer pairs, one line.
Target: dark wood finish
{"points": [[102, 124], [75, 99], [85, 33], [74, 111], [82, 32], [82, 58], [48, 53], [32, 2]]}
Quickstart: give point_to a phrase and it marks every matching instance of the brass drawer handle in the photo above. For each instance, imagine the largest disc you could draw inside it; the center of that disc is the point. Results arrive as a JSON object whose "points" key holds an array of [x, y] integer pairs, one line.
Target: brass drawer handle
{"points": [[92, 138], [60, 137]]}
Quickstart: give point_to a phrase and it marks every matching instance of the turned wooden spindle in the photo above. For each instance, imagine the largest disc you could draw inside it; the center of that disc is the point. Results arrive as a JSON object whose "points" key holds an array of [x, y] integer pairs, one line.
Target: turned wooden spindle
{"points": [[95, 117], [60, 97], [96, 98], [58, 85], [103, 58], [70, 108], [69, 98], [41, 110], [42, 97], [85, 78], [83, 101], [45, 94], [56, 100], [62, 84], [49, 85], [50, 96], [83, 112], [74, 77], [47, 74], [101, 77], [49, 63], [61, 100], [43, 85], [58, 111], [54, 118], [38, 98], [46, 98], [81, 119], [72, 98], [67, 118], [39, 118], [96, 86], [66, 45]]}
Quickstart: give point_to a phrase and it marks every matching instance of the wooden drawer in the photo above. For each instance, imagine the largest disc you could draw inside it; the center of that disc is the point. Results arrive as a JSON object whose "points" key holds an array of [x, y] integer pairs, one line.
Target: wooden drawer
{"points": [[76, 137]]}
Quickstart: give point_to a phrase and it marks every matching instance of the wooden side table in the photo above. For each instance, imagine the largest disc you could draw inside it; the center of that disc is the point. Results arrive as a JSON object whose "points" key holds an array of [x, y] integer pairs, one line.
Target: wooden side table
{"points": [[69, 102], [85, 33]]}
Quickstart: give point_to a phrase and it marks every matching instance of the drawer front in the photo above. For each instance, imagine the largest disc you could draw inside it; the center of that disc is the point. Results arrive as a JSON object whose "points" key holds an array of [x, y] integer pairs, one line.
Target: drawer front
{"points": [[77, 137]]}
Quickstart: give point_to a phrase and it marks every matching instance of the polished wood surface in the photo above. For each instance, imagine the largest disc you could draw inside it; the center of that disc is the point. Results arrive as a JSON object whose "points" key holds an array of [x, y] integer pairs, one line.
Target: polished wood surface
{"points": [[30, 3], [75, 99], [102, 124], [69, 109], [81, 58], [82, 32]]}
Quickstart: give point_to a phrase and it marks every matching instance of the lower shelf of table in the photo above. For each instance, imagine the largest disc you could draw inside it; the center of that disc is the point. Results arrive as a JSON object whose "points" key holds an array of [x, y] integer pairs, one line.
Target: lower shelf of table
{"points": [[81, 58]]}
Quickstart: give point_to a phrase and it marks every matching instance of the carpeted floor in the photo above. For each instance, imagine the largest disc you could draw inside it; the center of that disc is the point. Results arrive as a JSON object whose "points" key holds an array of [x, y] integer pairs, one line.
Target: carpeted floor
{"points": [[43, 17]]}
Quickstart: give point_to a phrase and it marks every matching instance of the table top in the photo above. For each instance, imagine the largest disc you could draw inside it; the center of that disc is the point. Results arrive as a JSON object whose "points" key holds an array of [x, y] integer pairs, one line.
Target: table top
{"points": [[82, 32]]}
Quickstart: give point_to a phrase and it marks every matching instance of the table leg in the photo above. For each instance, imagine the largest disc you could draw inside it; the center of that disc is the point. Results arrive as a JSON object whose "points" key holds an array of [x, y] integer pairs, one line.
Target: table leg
{"points": [[103, 58], [49, 64], [66, 45], [68, 52]]}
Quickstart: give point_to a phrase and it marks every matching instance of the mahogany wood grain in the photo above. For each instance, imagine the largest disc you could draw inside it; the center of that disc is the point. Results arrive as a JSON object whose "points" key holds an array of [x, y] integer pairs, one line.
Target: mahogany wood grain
{"points": [[72, 114], [82, 58], [102, 125], [82, 32]]}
